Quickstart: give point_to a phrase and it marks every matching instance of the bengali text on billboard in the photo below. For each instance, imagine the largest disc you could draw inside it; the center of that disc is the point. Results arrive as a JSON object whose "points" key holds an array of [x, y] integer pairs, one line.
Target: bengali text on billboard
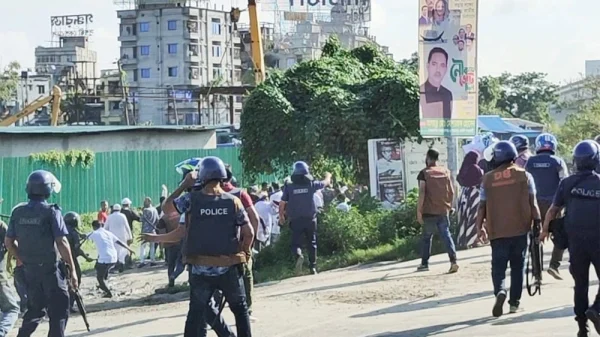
{"points": [[448, 68]]}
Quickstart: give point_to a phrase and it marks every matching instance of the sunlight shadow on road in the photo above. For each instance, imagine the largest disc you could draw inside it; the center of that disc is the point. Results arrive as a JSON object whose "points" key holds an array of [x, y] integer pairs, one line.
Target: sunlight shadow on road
{"points": [[418, 305], [436, 329], [552, 313], [121, 326]]}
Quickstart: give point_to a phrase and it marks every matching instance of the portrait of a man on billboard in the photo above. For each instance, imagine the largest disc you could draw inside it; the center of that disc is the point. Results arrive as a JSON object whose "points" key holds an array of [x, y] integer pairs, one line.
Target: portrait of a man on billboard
{"points": [[436, 100]]}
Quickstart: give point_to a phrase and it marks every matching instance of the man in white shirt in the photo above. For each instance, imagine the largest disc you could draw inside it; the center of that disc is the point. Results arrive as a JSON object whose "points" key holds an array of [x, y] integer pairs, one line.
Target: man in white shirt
{"points": [[117, 224], [275, 230], [342, 203], [265, 215], [107, 253]]}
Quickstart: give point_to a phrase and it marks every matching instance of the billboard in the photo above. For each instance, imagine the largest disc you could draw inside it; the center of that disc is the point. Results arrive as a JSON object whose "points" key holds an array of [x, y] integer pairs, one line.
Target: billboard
{"points": [[386, 167], [448, 104], [72, 25]]}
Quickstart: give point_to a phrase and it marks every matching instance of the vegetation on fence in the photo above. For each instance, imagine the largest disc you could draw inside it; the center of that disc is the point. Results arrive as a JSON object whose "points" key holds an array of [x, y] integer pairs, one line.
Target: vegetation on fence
{"points": [[85, 158]]}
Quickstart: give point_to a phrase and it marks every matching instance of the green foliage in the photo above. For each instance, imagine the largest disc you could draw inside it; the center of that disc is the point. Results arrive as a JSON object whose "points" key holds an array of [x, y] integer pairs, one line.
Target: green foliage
{"points": [[9, 79], [412, 63], [58, 158], [527, 95], [329, 108]]}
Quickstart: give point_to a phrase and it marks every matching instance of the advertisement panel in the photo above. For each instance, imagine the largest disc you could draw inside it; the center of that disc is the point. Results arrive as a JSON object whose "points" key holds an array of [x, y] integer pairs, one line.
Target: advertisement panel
{"points": [[386, 167], [448, 68]]}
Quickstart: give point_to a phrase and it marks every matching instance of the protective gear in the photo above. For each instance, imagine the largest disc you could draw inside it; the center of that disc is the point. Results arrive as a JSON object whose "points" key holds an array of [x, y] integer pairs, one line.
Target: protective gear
{"points": [[546, 142], [116, 207], [42, 183], [586, 155], [545, 170], [504, 152], [34, 232], [72, 219], [188, 165], [212, 229], [521, 142], [300, 168], [126, 202], [211, 168]]}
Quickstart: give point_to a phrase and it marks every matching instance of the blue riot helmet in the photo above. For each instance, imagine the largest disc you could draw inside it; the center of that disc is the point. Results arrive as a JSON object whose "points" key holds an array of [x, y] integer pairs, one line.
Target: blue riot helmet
{"points": [[504, 152], [42, 183], [586, 155], [300, 168], [546, 142], [72, 219], [521, 142], [212, 168]]}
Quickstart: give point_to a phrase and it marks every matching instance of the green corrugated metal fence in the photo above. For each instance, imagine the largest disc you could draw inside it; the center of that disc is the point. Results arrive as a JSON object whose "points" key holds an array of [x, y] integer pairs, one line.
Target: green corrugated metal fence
{"points": [[112, 177]]}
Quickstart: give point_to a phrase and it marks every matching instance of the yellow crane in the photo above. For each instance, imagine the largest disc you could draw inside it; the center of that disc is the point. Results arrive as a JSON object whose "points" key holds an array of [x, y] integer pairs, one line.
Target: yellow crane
{"points": [[55, 98], [256, 39]]}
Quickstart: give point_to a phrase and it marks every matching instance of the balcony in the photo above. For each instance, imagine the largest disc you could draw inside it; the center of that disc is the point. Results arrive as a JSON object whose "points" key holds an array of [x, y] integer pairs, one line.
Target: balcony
{"points": [[127, 38]]}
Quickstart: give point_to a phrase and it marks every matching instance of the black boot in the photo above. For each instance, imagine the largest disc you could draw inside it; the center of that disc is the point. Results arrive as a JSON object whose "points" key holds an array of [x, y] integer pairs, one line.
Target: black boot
{"points": [[583, 328]]}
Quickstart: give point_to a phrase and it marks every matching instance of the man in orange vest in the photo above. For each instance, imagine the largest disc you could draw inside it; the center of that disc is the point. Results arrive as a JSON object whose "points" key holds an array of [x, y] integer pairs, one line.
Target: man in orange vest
{"points": [[509, 206]]}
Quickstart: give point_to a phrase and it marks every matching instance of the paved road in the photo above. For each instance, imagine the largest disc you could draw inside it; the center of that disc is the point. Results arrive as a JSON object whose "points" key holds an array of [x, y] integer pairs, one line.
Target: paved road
{"points": [[380, 300]]}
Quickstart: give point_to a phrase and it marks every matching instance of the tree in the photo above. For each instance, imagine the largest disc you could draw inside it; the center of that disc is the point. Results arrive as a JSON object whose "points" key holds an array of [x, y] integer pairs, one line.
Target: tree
{"points": [[9, 80], [412, 63], [527, 95], [328, 109]]}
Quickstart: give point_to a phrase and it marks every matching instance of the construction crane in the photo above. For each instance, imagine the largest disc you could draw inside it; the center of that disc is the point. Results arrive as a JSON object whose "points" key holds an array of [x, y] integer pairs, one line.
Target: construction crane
{"points": [[255, 37], [38, 103]]}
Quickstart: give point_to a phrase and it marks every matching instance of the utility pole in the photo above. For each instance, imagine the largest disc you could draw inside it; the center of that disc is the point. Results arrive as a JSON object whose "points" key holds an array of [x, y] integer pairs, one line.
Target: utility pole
{"points": [[124, 92]]}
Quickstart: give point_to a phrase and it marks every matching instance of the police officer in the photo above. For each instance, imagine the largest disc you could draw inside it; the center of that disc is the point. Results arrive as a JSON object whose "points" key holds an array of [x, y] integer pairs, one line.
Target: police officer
{"points": [[72, 221], [522, 144], [508, 206], [35, 231], [298, 204], [217, 236], [547, 170], [580, 196]]}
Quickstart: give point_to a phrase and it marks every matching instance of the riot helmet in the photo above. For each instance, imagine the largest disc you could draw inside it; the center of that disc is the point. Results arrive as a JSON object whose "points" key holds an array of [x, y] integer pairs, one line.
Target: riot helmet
{"points": [[300, 168], [42, 183], [504, 152], [72, 219], [586, 155], [546, 142], [211, 168], [521, 142]]}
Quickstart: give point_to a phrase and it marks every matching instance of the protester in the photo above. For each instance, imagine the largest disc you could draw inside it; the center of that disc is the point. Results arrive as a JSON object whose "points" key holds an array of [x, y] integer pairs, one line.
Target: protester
{"points": [[149, 223], [118, 225]]}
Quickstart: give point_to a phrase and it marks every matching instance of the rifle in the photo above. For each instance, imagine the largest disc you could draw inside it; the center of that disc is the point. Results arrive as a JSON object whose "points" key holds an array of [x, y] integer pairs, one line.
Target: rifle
{"points": [[78, 299], [535, 258]]}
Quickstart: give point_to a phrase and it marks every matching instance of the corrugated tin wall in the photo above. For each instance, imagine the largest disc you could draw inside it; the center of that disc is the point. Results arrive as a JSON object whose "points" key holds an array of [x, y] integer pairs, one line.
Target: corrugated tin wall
{"points": [[113, 176]]}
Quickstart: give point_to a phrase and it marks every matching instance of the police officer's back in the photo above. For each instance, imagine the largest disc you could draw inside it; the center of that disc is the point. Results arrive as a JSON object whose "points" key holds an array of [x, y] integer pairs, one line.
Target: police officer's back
{"points": [[38, 227], [580, 196]]}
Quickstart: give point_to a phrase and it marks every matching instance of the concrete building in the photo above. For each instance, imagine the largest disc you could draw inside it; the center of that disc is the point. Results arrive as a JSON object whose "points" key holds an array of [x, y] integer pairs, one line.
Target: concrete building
{"points": [[71, 64], [32, 87], [592, 68], [170, 48], [111, 94]]}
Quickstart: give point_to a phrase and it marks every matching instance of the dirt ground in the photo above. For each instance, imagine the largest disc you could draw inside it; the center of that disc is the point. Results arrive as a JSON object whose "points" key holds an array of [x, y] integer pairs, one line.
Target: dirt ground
{"points": [[380, 300]]}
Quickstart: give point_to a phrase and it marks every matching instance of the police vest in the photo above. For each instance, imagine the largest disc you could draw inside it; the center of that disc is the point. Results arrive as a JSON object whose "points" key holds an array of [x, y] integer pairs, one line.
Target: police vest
{"points": [[212, 227], [508, 211], [582, 205], [33, 227], [545, 171], [301, 202]]}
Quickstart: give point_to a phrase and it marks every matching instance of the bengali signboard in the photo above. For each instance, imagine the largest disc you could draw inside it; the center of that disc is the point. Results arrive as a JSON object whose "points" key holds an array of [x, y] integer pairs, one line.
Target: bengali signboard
{"points": [[72, 25], [355, 11], [448, 68]]}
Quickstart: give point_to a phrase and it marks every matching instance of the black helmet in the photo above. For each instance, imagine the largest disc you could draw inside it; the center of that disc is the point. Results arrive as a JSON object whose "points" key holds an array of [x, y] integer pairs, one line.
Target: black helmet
{"points": [[72, 219], [211, 168], [300, 168], [521, 142], [504, 152], [41, 183], [586, 155]]}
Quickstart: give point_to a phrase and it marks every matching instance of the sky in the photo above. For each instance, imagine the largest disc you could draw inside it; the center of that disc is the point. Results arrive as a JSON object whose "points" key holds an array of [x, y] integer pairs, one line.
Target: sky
{"points": [[550, 36]]}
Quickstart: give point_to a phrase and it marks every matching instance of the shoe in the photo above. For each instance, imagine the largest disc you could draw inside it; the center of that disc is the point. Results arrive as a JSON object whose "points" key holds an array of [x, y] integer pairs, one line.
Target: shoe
{"points": [[555, 273], [171, 283], [497, 311], [583, 330], [423, 268], [313, 271], [299, 263], [513, 309], [152, 264], [107, 295], [594, 317], [141, 265], [453, 268]]}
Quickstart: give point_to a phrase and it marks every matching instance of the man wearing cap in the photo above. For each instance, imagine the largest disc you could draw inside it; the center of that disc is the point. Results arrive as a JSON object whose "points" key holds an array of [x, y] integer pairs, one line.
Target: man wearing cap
{"points": [[117, 224]]}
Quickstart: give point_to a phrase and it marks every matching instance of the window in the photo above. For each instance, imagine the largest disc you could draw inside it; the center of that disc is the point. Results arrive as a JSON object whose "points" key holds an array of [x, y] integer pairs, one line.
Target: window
{"points": [[172, 47], [216, 26], [144, 27], [144, 50], [172, 71], [145, 73], [238, 76], [193, 49], [236, 53], [216, 71], [172, 24], [216, 49], [194, 73], [41, 89]]}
